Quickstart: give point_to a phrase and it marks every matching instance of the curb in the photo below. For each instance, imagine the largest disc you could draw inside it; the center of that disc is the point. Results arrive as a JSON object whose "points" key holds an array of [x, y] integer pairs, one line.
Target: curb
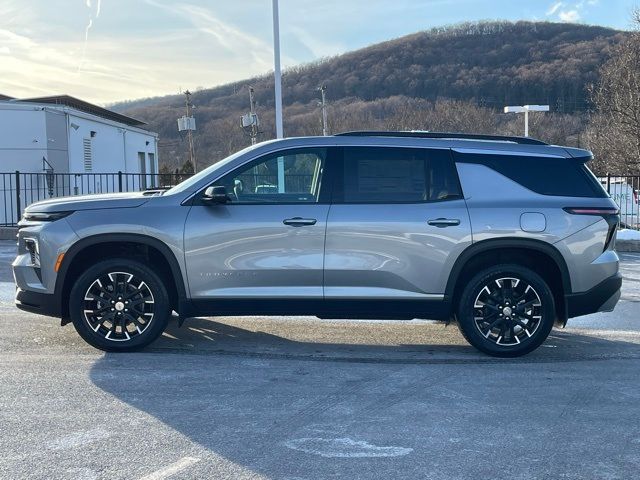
{"points": [[628, 245]]}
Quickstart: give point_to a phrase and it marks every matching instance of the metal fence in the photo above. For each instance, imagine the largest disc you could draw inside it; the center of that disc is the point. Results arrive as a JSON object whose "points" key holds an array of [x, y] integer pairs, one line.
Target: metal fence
{"points": [[19, 190], [624, 189], [261, 183]]}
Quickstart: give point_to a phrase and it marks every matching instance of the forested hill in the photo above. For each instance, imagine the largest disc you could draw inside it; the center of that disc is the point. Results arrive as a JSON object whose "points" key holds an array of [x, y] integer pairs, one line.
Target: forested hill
{"points": [[491, 64]]}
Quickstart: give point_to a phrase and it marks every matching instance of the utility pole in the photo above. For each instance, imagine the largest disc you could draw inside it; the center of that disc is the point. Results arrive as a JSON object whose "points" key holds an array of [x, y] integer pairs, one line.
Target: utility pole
{"points": [[254, 123], [192, 152], [277, 72], [323, 106], [249, 122]]}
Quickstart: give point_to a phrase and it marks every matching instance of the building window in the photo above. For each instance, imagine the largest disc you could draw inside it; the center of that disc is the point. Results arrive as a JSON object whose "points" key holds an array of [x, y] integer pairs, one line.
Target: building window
{"points": [[152, 169], [142, 161], [88, 159]]}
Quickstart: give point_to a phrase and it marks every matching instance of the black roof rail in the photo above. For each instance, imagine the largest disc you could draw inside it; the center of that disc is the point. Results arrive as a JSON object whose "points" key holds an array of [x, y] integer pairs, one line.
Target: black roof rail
{"points": [[452, 136]]}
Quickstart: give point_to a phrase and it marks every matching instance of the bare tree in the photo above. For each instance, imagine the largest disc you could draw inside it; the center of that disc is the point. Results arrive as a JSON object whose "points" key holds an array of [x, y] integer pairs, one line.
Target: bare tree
{"points": [[614, 132]]}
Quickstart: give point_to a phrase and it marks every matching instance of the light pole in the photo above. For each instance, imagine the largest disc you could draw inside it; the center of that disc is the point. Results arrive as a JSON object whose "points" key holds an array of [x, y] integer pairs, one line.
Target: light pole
{"points": [[277, 72], [526, 109]]}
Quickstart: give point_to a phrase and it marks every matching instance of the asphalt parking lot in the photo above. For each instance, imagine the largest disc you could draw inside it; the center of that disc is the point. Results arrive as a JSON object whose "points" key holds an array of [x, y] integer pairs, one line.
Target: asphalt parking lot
{"points": [[309, 399]]}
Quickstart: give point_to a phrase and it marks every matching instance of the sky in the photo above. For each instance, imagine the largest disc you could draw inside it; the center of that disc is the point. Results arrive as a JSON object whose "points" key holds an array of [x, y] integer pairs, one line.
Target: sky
{"points": [[105, 51]]}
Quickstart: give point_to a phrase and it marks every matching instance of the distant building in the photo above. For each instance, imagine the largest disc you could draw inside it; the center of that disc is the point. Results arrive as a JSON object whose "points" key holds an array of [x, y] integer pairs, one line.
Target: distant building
{"points": [[61, 145], [73, 136]]}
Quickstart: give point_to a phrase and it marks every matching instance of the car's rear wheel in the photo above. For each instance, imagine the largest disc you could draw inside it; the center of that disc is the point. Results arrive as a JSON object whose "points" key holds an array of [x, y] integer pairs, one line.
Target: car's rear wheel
{"points": [[119, 305], [506, 311]]}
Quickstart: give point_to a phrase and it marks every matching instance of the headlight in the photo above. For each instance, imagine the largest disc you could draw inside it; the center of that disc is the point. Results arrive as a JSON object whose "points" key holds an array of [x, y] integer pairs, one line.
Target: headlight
{"points": [[45, 217]]}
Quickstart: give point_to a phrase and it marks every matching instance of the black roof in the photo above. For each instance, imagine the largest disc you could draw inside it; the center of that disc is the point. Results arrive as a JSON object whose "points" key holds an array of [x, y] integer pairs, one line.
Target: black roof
{"points": [[447, 135], [5, 97], [86, 107]]}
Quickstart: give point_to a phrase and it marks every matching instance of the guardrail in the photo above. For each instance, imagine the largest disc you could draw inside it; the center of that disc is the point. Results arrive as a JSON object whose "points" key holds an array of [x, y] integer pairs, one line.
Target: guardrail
{"points": [[19, 190], [625, 191]]}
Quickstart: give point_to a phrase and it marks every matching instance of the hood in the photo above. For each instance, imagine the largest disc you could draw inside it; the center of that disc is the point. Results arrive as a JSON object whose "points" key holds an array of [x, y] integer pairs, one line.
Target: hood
{"points": [[89, 202]]}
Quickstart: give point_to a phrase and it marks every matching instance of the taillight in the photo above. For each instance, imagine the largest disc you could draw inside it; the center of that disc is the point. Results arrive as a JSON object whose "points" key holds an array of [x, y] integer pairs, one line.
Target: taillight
{"points": [[600, 211], [610, 214]]}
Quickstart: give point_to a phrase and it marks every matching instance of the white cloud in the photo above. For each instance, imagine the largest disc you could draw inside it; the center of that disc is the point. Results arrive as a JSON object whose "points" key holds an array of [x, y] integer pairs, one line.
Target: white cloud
{"points": [[151, 66], [238, 43], [570, 12], [318, 46], [569, 16], [200, 49], [553, 9]]}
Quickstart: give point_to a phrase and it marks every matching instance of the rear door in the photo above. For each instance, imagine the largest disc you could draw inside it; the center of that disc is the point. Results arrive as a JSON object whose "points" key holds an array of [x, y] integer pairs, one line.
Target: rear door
{"points": [[397, 223]]}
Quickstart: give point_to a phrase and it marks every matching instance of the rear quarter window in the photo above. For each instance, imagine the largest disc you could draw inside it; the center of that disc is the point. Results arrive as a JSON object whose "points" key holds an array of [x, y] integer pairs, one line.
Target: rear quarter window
{"points": [[562, 177]]}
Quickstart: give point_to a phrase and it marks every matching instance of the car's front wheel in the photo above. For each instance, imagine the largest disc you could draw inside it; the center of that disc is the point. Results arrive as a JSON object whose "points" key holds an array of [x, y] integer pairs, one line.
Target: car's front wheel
{"points": [[119, 305], [506, 311]]}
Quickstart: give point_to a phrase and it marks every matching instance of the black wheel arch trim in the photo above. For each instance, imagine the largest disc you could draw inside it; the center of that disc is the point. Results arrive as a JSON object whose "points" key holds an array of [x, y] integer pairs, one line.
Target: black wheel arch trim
{"points": [[93, 240], [497, 244]]}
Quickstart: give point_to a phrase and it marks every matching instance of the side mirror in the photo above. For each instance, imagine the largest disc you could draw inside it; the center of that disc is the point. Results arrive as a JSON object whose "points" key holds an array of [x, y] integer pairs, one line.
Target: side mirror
{"points": [[215, 195]]}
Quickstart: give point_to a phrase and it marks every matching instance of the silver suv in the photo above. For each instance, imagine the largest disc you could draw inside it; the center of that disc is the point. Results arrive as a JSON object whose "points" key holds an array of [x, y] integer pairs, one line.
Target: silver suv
{"points": [[506, 235]]}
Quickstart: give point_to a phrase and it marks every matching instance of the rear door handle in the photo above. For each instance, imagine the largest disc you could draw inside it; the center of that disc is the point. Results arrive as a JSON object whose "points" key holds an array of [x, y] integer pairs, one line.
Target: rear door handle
{"points": [[444, 222], [299, 221]]}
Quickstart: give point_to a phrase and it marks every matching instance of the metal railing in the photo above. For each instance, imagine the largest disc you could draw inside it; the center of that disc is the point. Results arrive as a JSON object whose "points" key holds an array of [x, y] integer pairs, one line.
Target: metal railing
{"points": [[19, 190], [625, 191], [265, 183]]}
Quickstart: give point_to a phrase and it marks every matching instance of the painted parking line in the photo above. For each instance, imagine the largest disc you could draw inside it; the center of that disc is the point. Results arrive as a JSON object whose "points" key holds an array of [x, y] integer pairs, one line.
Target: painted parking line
{"points": [[172, 469]]}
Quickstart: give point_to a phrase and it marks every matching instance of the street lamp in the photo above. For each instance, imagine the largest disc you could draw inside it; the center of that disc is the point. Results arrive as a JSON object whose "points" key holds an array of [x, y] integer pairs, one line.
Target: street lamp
{"points": [[277, 72], [526, 109]]}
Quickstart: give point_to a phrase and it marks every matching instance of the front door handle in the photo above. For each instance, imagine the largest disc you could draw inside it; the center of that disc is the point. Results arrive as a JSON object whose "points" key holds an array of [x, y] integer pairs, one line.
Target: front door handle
{"points": [[444, 222], [299, 221]]}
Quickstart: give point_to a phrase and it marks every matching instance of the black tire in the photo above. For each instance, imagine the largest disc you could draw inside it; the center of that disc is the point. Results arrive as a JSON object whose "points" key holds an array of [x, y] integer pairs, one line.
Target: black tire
{"points": [[139, 317], [498, 317]]}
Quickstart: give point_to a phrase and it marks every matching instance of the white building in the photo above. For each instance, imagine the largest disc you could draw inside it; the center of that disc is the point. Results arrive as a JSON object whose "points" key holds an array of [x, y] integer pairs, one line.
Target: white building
{"points": [[73, 142], [74, 137]]}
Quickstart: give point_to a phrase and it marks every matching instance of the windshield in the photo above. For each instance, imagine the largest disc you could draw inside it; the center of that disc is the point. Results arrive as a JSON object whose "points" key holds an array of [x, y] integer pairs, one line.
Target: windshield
{"points": [[189, 183]]}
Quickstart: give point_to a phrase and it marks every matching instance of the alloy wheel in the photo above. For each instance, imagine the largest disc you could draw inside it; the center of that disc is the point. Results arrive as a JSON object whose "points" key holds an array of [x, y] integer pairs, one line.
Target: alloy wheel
{"points": [[507, 311], [119, 306]]}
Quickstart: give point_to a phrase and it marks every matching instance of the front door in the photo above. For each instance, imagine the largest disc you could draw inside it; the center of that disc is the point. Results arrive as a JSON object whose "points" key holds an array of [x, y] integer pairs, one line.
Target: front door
{"points": [[397, 224], [267, 242]]}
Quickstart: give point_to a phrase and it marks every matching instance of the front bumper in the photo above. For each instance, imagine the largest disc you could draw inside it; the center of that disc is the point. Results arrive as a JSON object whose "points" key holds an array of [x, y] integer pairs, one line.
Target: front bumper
{"points": [[37, 302], [601, 298]]}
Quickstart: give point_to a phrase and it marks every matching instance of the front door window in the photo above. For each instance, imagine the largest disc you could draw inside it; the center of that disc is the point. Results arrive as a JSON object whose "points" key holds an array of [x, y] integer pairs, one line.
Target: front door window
{"points": [[288, 177]]}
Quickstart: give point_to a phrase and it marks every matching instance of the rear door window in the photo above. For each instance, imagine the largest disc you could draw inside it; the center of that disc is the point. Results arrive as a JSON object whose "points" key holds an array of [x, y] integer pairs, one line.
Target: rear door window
{"points": [[396, 175]]}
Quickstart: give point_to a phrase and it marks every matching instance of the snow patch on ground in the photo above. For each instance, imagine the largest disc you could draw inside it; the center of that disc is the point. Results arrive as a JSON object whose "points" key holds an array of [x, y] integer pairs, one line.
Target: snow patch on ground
{"points": [[628, 234], [344, 448]]}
